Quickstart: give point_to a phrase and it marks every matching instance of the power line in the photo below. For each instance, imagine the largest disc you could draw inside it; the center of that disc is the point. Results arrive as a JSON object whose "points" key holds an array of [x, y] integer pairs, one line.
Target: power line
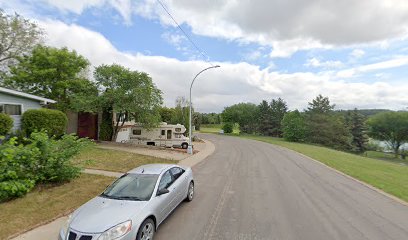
{"points": [[205, 55]]}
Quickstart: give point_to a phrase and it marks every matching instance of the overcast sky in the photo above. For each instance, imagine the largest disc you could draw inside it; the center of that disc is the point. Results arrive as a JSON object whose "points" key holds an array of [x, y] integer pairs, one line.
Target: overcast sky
{"points": [[354, 52]]}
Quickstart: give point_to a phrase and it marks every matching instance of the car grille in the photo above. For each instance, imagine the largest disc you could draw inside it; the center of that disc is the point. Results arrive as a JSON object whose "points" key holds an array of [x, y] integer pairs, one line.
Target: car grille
{"points": [[84, 237], [73, 236]]}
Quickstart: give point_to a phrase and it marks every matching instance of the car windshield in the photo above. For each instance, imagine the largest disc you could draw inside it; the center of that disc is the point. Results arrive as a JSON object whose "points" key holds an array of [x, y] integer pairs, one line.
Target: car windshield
{"points": [[136, 187]]}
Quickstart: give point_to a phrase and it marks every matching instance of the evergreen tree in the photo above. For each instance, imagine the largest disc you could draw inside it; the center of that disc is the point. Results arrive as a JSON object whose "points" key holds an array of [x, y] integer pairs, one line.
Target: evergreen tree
{"points": [[265, 123], [324, 127], [278, 109], [320, 105], [358, 129]]}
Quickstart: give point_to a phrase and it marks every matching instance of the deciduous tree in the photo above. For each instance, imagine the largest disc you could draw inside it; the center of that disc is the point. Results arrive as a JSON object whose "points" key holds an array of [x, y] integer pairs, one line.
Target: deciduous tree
{"points": [[58, 74], [245, 114], [131, 94], [17, 37], [391, 127], [293, 126]]}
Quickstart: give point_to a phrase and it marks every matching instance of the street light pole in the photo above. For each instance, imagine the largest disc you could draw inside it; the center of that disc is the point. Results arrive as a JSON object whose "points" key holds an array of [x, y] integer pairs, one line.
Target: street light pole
{"points": [[190, 147]]}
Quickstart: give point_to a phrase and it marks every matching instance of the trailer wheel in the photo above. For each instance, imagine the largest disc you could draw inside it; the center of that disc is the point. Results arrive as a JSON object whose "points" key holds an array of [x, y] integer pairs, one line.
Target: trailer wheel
{"points": [[184, 145]]}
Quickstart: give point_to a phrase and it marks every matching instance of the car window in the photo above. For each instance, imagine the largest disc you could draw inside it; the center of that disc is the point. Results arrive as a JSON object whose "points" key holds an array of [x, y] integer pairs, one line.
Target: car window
{"points": [[176, 172], [165, 181], [132, 187]]}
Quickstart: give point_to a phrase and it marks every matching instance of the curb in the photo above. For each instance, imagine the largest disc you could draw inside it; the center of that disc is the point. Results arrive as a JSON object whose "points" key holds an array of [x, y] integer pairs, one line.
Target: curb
{"points": [[200, 156]]}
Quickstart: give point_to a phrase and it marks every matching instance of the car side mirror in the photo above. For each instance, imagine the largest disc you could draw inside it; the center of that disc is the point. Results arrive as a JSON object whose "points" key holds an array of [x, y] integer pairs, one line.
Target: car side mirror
{"points": [[162, 191]]}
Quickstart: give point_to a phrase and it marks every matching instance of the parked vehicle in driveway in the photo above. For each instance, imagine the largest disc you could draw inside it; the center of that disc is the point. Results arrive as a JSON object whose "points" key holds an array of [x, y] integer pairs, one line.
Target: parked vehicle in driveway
{"points": [[165, 135], [133, 206]]}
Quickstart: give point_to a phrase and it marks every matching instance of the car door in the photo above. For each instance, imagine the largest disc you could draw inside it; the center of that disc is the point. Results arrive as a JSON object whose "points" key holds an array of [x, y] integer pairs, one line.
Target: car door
{"points": [[168, 200], [180, 184]]}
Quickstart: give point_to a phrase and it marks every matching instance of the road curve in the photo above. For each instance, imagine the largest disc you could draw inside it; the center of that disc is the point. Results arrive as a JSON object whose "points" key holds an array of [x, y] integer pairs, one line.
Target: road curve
{"points": [[253, 190]]}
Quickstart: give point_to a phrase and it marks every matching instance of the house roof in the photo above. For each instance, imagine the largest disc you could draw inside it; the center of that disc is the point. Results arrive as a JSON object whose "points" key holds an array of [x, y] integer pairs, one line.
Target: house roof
{"points": [[26, 95]]}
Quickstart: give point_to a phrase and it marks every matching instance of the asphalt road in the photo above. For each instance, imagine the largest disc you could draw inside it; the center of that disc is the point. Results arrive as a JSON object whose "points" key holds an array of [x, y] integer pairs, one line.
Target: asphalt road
{"points": [[254, 190]]}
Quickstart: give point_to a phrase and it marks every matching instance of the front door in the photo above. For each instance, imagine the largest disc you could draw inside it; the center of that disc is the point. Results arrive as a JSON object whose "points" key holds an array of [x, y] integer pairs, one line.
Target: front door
{"points": [[88, 125]]}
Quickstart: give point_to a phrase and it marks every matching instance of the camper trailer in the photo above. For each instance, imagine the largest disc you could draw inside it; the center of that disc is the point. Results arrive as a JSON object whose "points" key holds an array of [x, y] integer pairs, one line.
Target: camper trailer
{"points": [[165, 135]]}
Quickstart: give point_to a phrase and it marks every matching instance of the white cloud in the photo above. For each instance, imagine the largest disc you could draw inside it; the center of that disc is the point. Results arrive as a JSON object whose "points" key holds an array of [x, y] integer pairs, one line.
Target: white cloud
{"points": [[292, 25], [284, 26], [233, 82], [393, 63], [123, 7], [357, 53], [75, 6], [314, 62], [175, 39]]}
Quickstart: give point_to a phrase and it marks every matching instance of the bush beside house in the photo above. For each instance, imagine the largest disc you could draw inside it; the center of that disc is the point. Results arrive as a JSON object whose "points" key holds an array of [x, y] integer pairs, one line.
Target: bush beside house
{"points": [[54, 122], [6, 124]]}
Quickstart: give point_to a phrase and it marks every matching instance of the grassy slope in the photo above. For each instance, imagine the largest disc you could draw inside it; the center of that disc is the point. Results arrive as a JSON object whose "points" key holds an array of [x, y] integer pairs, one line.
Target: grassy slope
{"points": [[387, 176], [112, 160], [45, 203]]}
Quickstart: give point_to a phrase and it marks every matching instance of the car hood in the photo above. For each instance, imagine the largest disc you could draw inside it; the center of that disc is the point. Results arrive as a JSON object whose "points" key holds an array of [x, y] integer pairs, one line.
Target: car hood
{"points": [[100, 214]]}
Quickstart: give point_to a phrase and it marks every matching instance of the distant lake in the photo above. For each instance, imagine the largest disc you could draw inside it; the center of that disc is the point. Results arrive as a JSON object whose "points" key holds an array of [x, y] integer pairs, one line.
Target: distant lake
{"points": [[384, 145]]}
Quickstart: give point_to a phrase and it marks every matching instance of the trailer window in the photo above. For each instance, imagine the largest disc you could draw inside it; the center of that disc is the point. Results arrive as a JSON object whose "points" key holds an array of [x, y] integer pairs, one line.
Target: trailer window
{"points": [[177, 129], [163, 132], [137, 131]]}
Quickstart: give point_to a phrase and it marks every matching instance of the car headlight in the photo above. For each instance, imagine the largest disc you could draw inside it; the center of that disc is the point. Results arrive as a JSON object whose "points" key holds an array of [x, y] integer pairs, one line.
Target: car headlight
{"points": [[116, 231]]}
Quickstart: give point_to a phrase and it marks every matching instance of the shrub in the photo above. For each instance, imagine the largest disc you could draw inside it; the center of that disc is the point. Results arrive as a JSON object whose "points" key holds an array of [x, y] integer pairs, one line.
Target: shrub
{"points": [[6, 123], [54, 122], [56, 155], [42, 159], [18, 165], [228, 127]]}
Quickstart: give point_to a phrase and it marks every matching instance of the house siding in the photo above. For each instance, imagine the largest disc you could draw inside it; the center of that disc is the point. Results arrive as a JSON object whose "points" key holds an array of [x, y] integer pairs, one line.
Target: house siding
{"points": [[25, 102]]}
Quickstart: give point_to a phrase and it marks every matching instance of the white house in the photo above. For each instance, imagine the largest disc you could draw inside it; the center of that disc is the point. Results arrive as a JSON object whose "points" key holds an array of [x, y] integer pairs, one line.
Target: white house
{"points": [[15, 103]]}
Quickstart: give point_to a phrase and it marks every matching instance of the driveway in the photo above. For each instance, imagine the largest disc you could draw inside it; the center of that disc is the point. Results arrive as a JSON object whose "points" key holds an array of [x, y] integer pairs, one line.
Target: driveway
{"points": [[254, 190]]}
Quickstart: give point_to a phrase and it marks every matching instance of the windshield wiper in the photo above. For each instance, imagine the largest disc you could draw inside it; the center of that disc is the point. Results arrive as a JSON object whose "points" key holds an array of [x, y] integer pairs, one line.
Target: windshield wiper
{"points": [[129, 198]]}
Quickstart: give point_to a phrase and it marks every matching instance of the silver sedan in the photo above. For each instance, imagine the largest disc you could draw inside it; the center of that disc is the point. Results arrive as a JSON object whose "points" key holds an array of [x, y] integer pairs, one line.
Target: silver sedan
{"points": [[133, 206]]}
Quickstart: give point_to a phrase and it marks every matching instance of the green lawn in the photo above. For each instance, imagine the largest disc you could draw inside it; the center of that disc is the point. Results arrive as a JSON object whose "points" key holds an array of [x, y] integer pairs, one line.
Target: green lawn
{"points": [[215, 128], [112, 160], [47, 202], [386, 157], [390, 177]]}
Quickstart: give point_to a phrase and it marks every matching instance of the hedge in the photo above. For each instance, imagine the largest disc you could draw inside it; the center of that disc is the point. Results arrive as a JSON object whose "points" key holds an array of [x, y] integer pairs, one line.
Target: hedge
{"points": [[6, 124], [52, 121]]}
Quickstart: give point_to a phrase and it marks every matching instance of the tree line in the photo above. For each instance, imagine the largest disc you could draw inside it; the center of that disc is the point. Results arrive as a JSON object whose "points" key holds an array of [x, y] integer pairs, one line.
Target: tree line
{"points": [[319, 124]]}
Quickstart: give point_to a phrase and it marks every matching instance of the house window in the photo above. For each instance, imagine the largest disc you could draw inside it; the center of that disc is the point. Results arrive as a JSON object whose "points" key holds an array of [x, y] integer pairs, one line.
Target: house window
{"points": [[10, 109], [163, 132], [137, 131]]}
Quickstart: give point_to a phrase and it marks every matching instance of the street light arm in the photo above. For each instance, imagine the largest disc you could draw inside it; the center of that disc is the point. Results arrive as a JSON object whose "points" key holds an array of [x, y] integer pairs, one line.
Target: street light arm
{"points": [[192, 82], [190, 150]]}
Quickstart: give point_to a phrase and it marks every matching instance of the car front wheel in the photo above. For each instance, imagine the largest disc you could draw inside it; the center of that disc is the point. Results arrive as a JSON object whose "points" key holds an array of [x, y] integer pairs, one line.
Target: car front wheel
{"points": [[190, 192], [184, 145], [146, 230]]}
